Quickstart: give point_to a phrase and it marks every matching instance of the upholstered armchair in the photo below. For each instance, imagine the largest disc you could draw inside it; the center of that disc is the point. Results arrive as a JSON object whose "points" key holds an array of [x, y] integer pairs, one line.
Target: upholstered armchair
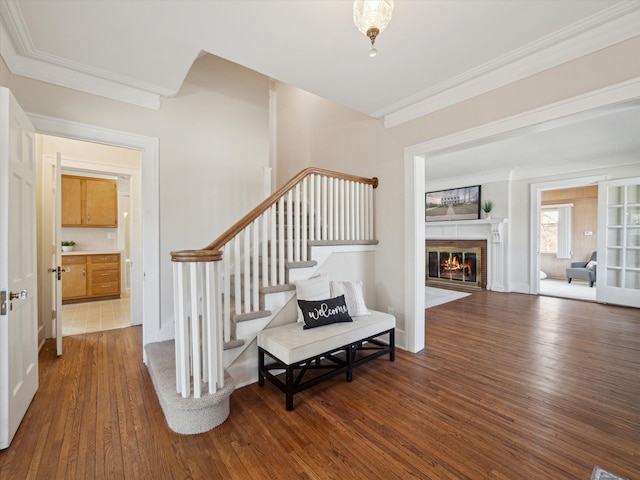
{"points": [[583, 270]]}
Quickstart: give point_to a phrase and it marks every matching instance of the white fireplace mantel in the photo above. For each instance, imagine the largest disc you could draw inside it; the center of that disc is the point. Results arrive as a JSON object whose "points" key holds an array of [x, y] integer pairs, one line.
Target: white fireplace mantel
{"points": [[489, 229]]}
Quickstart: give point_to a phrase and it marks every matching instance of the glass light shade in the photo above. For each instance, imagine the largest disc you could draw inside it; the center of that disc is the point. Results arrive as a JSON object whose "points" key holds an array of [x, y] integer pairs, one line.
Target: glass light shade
{"points": [[369, 14]]}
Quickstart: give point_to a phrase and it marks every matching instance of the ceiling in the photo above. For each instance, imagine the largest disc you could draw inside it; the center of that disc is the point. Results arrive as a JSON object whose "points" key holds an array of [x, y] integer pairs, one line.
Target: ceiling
{"points": [[597, 138], [433, 54]]}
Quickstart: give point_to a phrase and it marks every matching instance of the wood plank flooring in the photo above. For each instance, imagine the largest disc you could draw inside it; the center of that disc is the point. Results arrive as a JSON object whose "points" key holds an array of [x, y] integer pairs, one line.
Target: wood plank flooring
{"points": [[508, 387]]}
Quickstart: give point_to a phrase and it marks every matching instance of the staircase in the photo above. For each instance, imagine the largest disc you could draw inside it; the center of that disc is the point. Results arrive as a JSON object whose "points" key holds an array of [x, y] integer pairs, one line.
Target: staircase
{"points": [[242, 281]]}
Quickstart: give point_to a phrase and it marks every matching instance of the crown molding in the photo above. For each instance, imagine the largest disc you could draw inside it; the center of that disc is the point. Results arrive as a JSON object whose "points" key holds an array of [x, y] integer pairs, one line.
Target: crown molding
{"points": [[606, 100], [23, 59], [613, 25]]}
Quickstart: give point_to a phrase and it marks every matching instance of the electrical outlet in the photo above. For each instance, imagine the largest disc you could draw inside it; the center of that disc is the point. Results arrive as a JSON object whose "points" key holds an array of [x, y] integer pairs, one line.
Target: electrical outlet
{"points": [[391, 311], [111, 236]]}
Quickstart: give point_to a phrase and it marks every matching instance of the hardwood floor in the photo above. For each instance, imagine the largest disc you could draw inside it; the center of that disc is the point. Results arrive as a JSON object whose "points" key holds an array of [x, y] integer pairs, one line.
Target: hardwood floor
{"points": [[509, 387]]}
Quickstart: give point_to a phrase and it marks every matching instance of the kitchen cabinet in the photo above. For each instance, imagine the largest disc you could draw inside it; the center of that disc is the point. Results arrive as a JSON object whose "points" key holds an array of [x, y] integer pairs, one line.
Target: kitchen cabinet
{"points": [[74, 277], [90, 277], [89, 202], [104, 276]]}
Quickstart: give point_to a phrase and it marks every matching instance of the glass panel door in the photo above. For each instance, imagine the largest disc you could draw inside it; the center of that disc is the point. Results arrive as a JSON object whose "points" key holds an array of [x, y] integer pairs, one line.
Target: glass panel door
{"points": [[618, 269]]}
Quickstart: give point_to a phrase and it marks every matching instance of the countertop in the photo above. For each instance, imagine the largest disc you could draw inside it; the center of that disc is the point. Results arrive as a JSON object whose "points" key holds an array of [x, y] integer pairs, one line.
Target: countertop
{"points": [[91, 252]]}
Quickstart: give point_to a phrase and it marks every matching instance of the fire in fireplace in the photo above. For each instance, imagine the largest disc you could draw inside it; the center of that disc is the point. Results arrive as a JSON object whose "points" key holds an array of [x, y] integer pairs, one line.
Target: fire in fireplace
{"points": [[453, 264]]}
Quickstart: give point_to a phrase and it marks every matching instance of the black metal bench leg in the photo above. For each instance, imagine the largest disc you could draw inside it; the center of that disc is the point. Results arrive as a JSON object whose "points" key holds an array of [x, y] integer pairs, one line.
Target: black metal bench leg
{"points": [[261, 367], [392, 343], [351, 356], [289, 392]]}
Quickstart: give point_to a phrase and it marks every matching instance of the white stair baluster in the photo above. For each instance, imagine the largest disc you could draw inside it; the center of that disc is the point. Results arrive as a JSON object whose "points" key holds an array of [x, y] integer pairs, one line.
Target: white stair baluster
{"points": [[237, 291], [246, 257], [296, 222], [341, 210], [255, 250], [281, 252], [264, 248], [325, 209], [210, 321], [205, 315], [219, 326], [312, 208], [370, 207], [226, 290], [182, 357], [304, 225], [330, 202], [273, 255], [357, 210], [318, 208], [290, 226], [195, 330]]}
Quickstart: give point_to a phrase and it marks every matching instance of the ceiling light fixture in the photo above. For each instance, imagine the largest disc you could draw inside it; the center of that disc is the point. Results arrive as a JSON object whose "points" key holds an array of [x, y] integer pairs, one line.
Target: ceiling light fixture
{"points": [[372, 17]]}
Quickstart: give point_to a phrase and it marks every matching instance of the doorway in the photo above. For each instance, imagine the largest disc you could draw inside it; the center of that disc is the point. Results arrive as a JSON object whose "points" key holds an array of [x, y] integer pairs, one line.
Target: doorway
{"points": [[568, 234], [122, 165], [145, 310]]}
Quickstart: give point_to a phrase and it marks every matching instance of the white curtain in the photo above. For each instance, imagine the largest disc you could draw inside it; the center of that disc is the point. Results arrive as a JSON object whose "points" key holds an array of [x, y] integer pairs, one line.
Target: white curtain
{"points": [[564, 231]]}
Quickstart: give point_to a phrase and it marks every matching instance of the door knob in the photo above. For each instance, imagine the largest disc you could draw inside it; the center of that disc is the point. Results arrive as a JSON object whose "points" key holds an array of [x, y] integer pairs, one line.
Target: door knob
{"points": [[22, 295], [59, 271]]}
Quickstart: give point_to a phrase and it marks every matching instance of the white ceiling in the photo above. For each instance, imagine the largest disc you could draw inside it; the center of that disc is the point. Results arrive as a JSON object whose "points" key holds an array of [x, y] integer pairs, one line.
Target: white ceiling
{"points": [[433, 54], [594, 139]]}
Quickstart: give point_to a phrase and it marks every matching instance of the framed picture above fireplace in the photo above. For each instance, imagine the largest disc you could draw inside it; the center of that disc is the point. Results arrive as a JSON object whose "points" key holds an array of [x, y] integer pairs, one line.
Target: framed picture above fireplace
{"points": [[452, 204]]}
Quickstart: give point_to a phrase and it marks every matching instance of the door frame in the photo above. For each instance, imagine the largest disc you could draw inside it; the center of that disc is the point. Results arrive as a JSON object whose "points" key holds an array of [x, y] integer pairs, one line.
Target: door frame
{"points": [[149, 256], [536, 204]]}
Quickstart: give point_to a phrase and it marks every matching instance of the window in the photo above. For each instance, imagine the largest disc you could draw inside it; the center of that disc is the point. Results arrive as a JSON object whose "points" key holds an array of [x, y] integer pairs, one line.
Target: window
{"points": [[555, 230], [549, 230]]}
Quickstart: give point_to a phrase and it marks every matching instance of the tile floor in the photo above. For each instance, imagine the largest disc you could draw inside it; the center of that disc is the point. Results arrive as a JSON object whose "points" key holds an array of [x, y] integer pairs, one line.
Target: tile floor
{"points": [[96, 316]]}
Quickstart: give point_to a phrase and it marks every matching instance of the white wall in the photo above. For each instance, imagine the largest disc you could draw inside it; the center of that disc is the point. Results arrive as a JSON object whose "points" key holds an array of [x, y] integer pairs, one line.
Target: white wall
{"points": [[214, 143]]}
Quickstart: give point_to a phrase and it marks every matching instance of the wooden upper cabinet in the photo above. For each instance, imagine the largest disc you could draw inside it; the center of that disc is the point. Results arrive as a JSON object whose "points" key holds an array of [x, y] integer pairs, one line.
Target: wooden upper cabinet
{"points": [[73, 189], [102, 202], [89, 202]]}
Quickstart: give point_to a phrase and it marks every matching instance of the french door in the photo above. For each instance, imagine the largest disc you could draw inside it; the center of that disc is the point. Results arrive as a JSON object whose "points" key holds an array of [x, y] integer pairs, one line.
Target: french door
{"points": [[618, 266]]}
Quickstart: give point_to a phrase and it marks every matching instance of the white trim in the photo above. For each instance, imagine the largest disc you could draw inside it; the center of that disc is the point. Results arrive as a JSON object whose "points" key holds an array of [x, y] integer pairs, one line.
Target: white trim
{"points": [[555, 206], [607, 100], [608, 27], [149, 275], [23, 59], [414, 158], [414, 258]]}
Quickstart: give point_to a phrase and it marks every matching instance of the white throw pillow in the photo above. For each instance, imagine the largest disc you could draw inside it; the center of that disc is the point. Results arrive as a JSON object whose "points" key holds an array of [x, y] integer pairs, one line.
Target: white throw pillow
{"points": [[353, 295], [314, 288], [592, 264]]}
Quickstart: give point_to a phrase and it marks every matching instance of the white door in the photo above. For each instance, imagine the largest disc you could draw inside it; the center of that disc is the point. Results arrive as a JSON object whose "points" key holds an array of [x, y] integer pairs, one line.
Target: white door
{"points": [[18, 267], [618, 265], [52, 182]]}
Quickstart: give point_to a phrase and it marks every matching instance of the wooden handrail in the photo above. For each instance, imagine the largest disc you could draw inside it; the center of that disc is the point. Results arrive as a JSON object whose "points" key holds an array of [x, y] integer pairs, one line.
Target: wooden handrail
{"points": [[211, 252]]}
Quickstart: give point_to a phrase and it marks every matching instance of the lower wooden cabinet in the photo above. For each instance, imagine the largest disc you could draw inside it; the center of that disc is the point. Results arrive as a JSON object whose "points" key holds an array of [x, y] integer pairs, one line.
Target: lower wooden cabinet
{"points": [[90, 277], [74, 278]]}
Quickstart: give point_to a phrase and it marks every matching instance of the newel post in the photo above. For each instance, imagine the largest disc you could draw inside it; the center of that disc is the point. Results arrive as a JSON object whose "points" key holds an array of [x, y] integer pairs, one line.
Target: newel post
{"points": [[198, 330]]}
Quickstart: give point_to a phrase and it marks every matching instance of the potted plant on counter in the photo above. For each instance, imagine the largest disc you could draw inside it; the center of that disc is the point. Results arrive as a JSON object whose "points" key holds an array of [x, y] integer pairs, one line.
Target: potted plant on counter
{"points": [[67, 245]]}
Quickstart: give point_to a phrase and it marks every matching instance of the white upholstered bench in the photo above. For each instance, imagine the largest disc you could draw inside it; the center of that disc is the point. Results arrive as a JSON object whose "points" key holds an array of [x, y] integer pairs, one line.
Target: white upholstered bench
{"points": [[333, 349]]}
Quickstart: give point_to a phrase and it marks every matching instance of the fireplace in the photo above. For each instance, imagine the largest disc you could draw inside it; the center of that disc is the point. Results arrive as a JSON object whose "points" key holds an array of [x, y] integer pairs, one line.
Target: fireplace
{"points": [[456, 262]]}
